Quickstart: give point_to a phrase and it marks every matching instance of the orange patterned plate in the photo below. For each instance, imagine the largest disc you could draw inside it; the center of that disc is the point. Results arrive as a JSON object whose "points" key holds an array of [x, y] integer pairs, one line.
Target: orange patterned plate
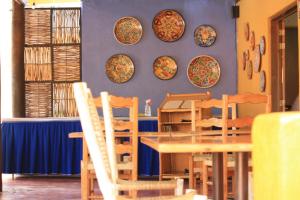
{"points": [[128, 30], [119, 68], [164, 67], [203, 71], [168, 25]]}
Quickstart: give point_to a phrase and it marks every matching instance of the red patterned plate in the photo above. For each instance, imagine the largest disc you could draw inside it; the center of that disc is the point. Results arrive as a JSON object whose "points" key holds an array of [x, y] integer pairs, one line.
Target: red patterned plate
{"points": [[168, 25], [203, 71]]}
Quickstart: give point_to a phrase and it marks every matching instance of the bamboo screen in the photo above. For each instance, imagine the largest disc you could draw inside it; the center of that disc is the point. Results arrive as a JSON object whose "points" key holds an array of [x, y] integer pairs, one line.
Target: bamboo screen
{"points": [[66, 63], [52, 61], [37, 26], [37, 62], [63, 100], [66, 26], [38, 99]]}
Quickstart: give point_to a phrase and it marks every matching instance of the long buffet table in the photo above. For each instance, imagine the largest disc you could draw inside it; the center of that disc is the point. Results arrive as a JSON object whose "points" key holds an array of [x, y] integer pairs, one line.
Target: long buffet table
{"points": [[42, 146]]}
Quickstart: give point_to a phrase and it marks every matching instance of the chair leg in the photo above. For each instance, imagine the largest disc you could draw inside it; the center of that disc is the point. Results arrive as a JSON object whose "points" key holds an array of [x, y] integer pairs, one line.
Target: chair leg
{"points": [[225, 177], [84, 182], [191, 172], [204, 178]]}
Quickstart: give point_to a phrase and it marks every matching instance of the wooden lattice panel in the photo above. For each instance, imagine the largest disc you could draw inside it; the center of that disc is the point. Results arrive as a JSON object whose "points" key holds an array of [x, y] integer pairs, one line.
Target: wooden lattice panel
{"points": [[66, 63], [63, 100], [66, 26], [38, 100], [37, 62], [37, 26]]}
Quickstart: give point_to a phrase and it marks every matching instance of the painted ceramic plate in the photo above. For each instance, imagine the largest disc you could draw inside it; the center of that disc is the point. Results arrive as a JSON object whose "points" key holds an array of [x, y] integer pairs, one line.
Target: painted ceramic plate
{"points": [[247, 54], [119, 68], [252, 40], [246, 31], [203, 71], [205, 35], [262, 45], [168, 25], [249, 69], [244, 57], [164, 67], [262, 81], [257, 58], [128, 30]]}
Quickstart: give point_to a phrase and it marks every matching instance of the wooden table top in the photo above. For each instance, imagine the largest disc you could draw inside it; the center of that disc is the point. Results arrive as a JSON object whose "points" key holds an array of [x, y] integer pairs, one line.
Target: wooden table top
{"points": [[187, 145]]}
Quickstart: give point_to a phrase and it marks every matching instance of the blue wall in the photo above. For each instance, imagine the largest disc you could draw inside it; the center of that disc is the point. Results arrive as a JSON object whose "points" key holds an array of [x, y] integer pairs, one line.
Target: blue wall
{"points": [[98, 44]]}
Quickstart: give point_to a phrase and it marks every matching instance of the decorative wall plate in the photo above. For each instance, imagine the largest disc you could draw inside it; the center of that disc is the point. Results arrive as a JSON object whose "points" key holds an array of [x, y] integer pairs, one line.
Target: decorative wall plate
{"points": [[128, 30], [252, 40], [262, 81], [119, 68], [246, 31], [247, 54], [257, 58], [262, 45], [203, 71], [168, 25], [249, 69], [164, 67], [244, 59], [205, 35]]}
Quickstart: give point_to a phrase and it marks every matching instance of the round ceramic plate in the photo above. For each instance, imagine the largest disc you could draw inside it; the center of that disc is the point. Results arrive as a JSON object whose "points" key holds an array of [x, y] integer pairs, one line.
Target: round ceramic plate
{"points": [[244, 57], [247, 54], [249, 69], [128, 30], [164, 67], [119, 68], [252, 40], [262, 45], [168, 25], [205, 35], [257, 59], [203, 71], [246, 31], [262, 81]]}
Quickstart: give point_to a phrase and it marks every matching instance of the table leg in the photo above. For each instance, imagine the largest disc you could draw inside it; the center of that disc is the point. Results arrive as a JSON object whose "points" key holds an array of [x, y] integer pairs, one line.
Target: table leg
{"points": [[218, 176], [241, 169]]}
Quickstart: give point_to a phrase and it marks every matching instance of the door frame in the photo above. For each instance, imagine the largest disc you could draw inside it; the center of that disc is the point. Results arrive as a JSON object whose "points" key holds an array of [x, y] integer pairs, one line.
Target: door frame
{"points": [[277, 56]]}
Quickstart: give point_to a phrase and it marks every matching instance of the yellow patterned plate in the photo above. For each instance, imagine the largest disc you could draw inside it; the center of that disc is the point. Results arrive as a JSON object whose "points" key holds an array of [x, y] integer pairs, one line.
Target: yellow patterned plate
{"points": [[119, 68], [203, 71], [168, 25], [128, 30], [164, 67]]}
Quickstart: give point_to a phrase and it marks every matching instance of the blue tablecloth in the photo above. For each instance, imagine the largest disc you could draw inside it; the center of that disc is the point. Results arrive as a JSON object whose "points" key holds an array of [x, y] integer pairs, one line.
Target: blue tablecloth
{"points": [[44, 147]]}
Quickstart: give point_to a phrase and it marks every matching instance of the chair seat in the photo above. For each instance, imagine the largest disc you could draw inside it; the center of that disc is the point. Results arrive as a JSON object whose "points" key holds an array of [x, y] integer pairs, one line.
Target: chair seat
{"points": [[145, 185]]}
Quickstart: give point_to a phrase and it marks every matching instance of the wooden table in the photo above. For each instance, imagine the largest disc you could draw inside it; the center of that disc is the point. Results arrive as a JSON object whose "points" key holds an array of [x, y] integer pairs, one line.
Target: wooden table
{"points": [[187, 144]]}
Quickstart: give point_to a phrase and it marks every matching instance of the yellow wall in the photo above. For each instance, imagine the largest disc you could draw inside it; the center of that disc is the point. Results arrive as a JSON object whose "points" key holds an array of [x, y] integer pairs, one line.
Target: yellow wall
{"points": [[258, 14]]}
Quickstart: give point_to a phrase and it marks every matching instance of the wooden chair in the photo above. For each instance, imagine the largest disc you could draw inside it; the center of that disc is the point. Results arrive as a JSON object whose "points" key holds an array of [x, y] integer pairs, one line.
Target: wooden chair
{"points": [[204, 126], [128, 128], [240, 122], [102, 149]]}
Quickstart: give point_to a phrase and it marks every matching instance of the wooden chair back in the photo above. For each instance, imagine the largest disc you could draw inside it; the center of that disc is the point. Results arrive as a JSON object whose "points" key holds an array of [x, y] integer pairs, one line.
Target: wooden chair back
{"points": [[94, 137], [127, 128]]}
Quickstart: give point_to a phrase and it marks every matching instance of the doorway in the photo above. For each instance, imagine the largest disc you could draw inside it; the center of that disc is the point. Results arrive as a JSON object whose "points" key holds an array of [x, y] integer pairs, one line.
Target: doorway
{"points": [[285, 66]]}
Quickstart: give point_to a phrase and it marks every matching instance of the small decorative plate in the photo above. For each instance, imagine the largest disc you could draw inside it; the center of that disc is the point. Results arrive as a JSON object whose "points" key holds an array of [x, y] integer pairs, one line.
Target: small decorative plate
{"points": [[257, 58], [205, 35], [246, 31], [262, 45], [168, 25], [164, 67], [244, 59], [252, 40], [119, 68], [203, 71], [249, 69], [128, 30], [262, 81], [247, 54]]}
